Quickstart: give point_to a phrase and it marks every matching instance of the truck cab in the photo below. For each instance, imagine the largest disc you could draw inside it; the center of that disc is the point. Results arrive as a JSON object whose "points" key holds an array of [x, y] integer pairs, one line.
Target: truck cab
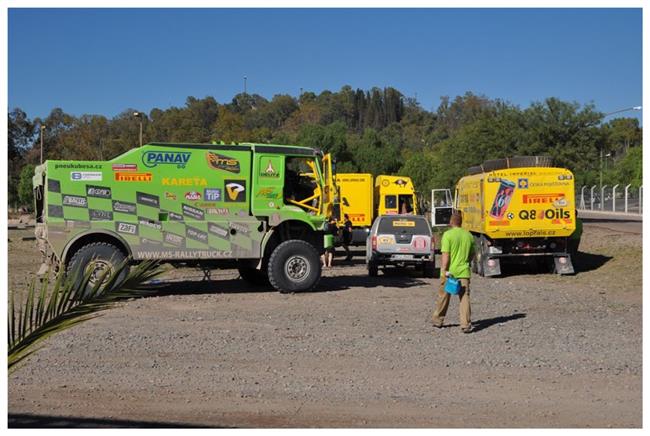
{"points": [[395, 195]]}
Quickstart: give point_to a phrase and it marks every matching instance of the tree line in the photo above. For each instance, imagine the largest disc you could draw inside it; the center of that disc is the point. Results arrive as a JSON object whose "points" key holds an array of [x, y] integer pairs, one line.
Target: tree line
{"points": [[378, 131]]}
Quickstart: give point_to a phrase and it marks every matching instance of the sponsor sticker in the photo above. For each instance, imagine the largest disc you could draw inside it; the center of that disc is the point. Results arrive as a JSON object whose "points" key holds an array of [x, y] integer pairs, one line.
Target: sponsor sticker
{"points": [[240, 228], [522, 183], [133, 177], [268, 193], [235, 190], [152, 159], [400, 182], [196, 234], [98, 191], [77, 166], [218, 231], [192, 196], [175, 216], [217, 211], [270, 171], [147, 199], [75, 201], [124, 207], [542, 198], [54, 211], [170, 195], [218, 161], [127, 228], [192, 212], [403, 223], [173, 239], [77, 176], [212, 194], [184, 181], [53, 185], [125, 167], [100, 215], [149, 223], [145, 241]]}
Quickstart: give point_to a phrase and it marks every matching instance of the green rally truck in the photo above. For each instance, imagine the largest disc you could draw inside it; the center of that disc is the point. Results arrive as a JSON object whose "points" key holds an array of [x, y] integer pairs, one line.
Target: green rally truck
{"points": [[257, 207]]}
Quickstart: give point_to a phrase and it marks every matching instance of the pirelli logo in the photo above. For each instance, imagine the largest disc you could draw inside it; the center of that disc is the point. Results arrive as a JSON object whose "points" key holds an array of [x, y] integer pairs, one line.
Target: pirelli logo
{"points": [[133, 177], [541, 198]]}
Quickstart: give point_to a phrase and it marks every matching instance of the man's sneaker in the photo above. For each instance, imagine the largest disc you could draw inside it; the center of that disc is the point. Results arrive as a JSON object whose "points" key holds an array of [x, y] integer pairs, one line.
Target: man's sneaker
{"points": [[467, 329], [438, 326]]}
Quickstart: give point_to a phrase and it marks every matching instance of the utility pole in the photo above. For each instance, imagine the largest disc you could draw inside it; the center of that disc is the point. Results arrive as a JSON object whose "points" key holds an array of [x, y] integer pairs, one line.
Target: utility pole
{"points": [[244, 84], [139, 116], [42, 129]]}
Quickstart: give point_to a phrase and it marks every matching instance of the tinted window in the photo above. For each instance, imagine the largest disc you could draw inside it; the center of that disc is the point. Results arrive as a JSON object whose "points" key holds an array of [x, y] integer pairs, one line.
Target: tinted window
{"points": [[391, 202], [411, 225]]}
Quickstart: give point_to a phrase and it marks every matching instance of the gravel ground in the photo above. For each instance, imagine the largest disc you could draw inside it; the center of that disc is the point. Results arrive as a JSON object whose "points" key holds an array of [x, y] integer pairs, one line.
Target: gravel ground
{"points": [[548, 351]]}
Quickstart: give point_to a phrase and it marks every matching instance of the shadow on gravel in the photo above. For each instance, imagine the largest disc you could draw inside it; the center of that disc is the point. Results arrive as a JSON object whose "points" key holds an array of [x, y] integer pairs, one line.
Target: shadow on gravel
{"points": [[588, 262], [583, 262], [198, 287], [488, 322], [393, 278], [25, 420]]}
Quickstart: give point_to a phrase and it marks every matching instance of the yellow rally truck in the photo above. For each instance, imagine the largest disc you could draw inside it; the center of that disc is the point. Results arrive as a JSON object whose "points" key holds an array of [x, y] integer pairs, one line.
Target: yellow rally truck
{"points": [[521, 209], [363, 201]]}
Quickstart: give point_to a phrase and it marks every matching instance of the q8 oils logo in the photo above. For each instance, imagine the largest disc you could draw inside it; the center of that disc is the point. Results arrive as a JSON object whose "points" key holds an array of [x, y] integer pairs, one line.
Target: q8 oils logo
{"points": [[154, 158]]}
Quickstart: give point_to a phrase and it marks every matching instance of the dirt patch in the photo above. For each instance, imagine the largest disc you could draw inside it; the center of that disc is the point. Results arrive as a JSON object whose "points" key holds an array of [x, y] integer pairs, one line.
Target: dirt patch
{"points": [[548, 351]]}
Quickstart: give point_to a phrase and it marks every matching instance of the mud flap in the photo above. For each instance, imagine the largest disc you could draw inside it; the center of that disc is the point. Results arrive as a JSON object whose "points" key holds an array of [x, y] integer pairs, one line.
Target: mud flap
{"points": [[491, 267], [563, 264]]}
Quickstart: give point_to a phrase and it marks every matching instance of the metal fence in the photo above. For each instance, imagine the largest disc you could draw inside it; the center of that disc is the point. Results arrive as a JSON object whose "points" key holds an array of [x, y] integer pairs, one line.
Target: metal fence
{"points": [[617, 198]]}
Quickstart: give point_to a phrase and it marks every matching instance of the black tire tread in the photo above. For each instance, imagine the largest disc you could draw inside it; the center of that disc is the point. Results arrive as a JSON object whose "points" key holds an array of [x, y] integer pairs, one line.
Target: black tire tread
{"points": [[273, 280]]}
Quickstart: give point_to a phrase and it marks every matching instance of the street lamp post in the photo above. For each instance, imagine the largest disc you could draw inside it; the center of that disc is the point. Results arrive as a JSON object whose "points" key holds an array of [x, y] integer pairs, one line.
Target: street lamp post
{"points": [[139, 116], [632, 108], [42, 129]]}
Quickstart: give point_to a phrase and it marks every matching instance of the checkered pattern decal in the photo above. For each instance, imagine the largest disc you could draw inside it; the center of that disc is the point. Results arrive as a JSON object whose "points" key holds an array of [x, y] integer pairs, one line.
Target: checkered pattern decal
{"points": [[153, 227]]}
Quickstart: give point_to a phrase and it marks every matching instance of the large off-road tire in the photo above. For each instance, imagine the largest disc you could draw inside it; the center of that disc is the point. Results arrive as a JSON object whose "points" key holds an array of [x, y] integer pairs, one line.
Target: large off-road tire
{"points": [[428, 269], [97, 258], [478, 263], [373, 269], [253, 276], [294, 266]]}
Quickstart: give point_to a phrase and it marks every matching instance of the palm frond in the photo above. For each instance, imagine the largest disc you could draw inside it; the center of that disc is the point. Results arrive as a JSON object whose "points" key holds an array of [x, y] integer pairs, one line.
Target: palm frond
{"points": [[72, 300]]}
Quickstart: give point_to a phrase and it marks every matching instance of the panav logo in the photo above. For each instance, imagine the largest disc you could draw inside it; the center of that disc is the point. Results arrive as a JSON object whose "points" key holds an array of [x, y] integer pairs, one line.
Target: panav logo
{"points": [[220, 162], [235, 190], [133, 177], [151, 159]]}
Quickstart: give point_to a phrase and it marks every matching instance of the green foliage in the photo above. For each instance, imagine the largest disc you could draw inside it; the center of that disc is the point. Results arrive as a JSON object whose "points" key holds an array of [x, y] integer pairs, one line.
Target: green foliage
{"points": [[68, 302], [380, 131], [25, 186]]}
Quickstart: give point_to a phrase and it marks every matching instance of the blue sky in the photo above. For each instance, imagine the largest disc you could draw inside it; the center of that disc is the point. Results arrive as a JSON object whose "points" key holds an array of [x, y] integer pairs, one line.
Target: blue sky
{"points": [[103, 61]]}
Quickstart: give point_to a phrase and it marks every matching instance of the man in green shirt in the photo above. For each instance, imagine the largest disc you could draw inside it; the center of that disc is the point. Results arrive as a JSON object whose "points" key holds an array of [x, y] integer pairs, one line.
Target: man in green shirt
{"points": [[457, 253]]}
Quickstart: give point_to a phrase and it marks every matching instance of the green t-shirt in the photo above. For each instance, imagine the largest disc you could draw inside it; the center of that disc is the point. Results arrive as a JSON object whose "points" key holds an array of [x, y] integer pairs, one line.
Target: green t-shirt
{"points": [[459, 243]]}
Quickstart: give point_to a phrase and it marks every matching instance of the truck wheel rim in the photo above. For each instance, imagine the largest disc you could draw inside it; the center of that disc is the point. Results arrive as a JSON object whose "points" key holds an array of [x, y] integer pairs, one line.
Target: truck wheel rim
{"points": [[297, 268], [97, 268]]}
